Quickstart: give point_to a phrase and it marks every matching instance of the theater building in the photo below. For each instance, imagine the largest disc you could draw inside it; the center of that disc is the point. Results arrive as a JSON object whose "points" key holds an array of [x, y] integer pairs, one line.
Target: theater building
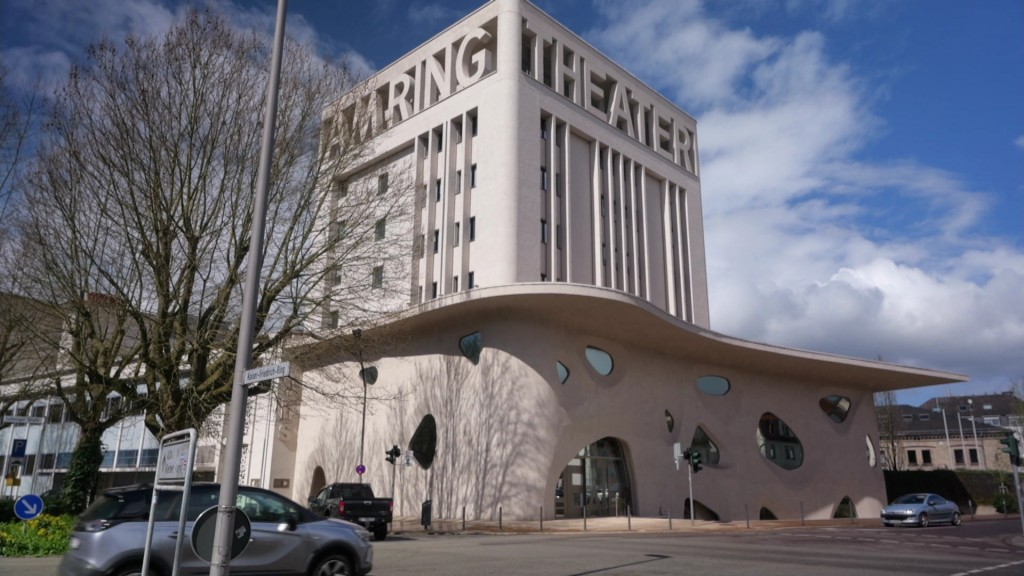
{"points": [[552, 342]]}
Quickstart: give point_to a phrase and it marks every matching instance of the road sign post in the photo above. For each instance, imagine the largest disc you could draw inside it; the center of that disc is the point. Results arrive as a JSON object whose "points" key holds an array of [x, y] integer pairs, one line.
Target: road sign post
{"points": [[28, 507]]}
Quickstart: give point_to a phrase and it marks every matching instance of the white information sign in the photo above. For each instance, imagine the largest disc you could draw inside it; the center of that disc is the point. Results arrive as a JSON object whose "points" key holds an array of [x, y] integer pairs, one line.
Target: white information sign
{"points": [[173, 464]]}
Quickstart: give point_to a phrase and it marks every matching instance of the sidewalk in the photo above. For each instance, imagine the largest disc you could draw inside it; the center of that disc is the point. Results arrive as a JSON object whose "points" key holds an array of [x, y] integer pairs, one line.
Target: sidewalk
{"points": [[447, 526]]}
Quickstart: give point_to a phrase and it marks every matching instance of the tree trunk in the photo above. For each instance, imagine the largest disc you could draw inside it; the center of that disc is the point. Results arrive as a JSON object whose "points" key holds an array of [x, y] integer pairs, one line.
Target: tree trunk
{"points": [[84, 472]]}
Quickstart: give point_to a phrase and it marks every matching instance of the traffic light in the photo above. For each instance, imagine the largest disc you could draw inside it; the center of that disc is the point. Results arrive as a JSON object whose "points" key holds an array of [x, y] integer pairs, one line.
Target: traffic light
{"points": [[695, 461], [393, 454], [1012, 448]]}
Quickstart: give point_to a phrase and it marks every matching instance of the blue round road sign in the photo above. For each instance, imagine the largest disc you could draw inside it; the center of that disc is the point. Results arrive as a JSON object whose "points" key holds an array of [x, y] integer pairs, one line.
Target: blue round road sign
{"points": [[28, 507]]}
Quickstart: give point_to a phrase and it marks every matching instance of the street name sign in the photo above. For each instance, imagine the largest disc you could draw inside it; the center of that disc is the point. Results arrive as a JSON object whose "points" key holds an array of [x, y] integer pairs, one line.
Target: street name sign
{"points": [[266, 373]]}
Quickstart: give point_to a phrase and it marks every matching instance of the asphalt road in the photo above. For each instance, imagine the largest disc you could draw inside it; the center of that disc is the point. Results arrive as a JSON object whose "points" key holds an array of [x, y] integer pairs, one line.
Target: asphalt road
{"points": [[989, 548]]}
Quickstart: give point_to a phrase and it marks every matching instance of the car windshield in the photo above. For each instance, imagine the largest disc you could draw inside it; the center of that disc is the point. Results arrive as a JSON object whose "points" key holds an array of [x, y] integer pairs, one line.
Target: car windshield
{"points": [[910, 499]]}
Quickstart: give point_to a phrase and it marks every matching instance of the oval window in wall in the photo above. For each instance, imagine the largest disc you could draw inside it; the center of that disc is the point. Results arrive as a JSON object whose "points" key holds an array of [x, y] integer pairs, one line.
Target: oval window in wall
{"points": [[670, 421], [471, 346], [424, 441], [563, 372], [600, 360], [778, 443], [714, 385], [835, 407]]}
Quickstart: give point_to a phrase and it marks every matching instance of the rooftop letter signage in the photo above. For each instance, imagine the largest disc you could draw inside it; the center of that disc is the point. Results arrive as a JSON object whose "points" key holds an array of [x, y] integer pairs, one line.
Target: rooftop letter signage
{"points": [[450, 68]]}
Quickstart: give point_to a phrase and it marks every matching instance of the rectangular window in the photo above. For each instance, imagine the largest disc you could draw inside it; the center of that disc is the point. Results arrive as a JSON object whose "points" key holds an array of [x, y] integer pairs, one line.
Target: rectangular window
{"points": [[433, 290], [472, 228], [340, 188], [56, 413], [543, 231], [558, 236], [543, 129], [457, 126], [912, 457], [908, 417], [926, 457], [380, 229], [958, 456], [456, 235], [63, 460], [472, 176], [30, 464], [437, 240], [126, 458], [974, 456], [458, 181], [543, 178], [455, 284], [149, 456], [437, 190], [471, 281], [440, 140], [39, 410], [382, 183], [472, 125], [48, 461], [378, 276]]}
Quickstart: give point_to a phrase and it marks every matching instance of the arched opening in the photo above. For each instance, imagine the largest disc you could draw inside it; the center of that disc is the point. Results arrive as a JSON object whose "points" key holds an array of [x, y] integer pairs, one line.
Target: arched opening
{"points": [[766, 514], [597, 479], [845, 509], [319, 481], [703, 512]]}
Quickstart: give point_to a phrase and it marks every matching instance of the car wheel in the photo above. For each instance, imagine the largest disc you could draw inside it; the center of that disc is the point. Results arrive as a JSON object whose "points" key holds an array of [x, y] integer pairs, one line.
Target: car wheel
{"points": [[957, 520], [136, 570], [923, 520], [380, 532], [333, 565]]}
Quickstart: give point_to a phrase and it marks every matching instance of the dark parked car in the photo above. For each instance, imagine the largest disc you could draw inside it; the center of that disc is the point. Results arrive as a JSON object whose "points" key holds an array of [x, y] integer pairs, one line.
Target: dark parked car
{"points": [[921, 510], [287, 539], [356, 503]]}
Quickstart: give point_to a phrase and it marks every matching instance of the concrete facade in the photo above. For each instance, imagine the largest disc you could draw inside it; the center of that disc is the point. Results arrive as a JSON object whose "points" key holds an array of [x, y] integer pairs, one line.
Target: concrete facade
{"points": [[556, 221]]}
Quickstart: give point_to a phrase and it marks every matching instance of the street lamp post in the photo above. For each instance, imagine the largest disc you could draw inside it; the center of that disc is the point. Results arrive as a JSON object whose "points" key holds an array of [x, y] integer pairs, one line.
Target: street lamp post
{"points": [[974, 430], [368, 376]]}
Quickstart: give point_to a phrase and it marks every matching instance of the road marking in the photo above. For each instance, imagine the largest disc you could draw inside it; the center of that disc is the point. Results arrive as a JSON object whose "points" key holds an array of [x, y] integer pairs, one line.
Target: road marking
{"points": [[989, 568]]}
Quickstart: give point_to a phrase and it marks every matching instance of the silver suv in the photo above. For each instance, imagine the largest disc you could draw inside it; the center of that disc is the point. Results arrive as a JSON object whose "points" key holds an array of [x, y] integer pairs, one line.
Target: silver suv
{"points": [[287, 539]]}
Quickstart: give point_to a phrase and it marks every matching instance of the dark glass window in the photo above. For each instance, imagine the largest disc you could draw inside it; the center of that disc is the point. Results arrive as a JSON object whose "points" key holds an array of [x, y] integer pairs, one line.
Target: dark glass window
{"points": [[778, 443], [600, 360], [836, 407], [713, 385], [563, 372], [424, 441], [472, 345]]}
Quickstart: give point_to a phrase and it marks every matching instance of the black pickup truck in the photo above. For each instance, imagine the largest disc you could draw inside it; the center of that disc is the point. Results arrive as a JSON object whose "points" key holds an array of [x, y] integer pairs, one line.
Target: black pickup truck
{"points": [[356, 503]]}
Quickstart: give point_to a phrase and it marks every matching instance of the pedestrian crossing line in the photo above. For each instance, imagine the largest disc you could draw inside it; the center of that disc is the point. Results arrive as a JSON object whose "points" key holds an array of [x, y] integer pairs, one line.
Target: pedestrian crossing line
{"points": [[990, 568]]}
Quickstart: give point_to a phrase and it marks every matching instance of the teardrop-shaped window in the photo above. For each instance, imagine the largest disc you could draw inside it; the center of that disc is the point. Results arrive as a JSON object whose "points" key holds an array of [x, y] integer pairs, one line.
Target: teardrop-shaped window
{"points": [[766, 514], [871, 450], [845, 509], [714, 385], [670, 421], [424, 441], [600, 360], [703, 444], [836, 407], [563, 372], [471, 346], [778, 443]]}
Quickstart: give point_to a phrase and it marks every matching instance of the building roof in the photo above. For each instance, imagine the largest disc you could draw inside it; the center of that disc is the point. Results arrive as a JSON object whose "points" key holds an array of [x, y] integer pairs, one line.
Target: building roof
{"points": [[917, 421], [1002, 404]]}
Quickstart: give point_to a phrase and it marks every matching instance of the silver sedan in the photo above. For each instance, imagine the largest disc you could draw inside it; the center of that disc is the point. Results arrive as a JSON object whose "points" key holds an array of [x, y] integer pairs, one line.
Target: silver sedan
{"points": [[921, 510]]}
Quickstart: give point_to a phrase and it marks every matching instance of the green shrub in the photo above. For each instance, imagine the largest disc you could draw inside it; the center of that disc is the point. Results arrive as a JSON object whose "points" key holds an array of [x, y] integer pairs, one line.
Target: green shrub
{"points": [[7, 511], [45, 535]]}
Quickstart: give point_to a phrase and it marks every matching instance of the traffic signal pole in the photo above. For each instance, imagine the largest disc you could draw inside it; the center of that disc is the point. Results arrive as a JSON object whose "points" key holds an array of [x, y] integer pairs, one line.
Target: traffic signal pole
{"points": [[689, 480], [1016, 488]]}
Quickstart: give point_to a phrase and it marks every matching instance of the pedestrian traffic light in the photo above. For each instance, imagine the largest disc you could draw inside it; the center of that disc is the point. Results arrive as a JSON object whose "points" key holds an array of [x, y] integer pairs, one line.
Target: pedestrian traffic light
{"points": [[695, 461], [1012, 448], [393, 454]]}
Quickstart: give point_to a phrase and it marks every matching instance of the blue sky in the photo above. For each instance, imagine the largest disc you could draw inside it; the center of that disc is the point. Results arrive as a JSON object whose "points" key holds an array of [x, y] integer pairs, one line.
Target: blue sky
{"points": [[862, 162]]}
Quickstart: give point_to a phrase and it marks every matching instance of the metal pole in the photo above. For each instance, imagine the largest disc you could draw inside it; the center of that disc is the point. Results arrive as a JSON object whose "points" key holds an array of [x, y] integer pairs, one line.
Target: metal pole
{"points": [[689, 480], [222, 537], [1016, 487], [362, 376], [974, 430], [949, 444], [963, 443]]}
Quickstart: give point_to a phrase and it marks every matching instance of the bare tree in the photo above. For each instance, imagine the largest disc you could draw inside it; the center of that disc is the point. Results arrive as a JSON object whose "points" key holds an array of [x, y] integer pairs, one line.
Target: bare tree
{"points": [[137, 224], [890, 428]]}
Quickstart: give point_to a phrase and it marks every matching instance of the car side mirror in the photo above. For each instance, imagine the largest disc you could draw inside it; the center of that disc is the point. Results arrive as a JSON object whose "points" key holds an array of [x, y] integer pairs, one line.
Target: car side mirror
{"points": [[289, 525]]}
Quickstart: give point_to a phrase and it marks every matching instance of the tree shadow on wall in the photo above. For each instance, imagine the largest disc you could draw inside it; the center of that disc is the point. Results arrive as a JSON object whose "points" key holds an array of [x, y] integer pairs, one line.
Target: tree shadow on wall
{"points": [[487, 443]]}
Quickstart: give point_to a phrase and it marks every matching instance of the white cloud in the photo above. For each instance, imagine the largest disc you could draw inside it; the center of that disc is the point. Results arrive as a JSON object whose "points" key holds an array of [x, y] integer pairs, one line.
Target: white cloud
{"points": [[809, 245]]}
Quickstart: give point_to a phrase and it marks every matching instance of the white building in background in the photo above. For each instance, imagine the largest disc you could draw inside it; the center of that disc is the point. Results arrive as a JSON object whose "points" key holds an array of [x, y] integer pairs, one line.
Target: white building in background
{"points": [[555, 342]]}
